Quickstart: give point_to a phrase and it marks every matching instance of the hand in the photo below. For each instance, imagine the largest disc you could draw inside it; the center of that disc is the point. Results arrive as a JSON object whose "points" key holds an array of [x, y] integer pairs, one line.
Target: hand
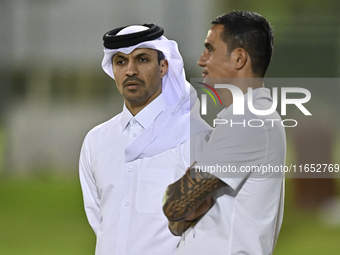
{"points": [[177, 228]]}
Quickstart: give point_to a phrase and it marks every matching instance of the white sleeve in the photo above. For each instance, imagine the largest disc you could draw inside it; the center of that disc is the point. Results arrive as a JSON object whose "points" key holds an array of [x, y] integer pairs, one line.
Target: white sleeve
{"points": [[89, 189], [197, 144], [191, 149], [231, 150]]}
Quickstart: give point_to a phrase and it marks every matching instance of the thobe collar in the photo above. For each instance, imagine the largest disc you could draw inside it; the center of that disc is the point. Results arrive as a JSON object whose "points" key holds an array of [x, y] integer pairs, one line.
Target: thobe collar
{"points": [[146, 116]]}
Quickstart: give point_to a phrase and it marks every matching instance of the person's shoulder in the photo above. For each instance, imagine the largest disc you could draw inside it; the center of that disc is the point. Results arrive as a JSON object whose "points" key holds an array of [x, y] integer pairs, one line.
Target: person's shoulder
{"points": [[101, 133], [105, 126], [202, 136]]}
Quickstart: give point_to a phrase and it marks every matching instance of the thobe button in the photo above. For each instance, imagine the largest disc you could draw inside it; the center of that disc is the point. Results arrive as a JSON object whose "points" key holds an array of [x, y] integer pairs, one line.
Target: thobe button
{"points": [[134, 121], [127, 204], [130, 170], [134, 135]]}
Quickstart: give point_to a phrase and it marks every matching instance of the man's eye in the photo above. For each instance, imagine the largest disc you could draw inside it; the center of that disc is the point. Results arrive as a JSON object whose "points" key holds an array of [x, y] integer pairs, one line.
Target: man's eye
{"points": [[120, 62], [143, 59]]}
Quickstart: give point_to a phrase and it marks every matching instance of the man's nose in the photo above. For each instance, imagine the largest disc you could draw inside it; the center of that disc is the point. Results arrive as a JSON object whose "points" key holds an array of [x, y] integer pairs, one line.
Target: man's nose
{"points": [[202, 60], [131, 69]]}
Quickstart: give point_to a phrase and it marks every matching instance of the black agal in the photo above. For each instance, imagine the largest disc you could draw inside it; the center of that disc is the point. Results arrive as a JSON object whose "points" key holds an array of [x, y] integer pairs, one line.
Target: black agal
{"points": [[113, 41]]}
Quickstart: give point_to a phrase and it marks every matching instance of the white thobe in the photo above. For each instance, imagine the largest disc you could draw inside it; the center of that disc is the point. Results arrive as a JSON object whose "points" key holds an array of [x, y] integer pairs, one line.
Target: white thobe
{"points": [[123, 201], [248, 218]]}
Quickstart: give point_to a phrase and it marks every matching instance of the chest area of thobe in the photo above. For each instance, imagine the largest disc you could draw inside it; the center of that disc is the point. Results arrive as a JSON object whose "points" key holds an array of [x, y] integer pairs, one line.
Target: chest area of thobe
{"points": [[116, 179]]}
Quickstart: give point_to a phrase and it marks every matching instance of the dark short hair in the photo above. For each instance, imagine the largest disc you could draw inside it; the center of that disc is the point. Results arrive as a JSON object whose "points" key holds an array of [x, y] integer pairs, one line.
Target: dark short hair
{"points": [[160, 56], [250, 31]]}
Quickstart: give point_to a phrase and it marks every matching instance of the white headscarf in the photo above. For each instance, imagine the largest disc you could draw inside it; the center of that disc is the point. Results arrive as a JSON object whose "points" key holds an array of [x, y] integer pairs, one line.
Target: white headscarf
{"points": [[177, 122]]}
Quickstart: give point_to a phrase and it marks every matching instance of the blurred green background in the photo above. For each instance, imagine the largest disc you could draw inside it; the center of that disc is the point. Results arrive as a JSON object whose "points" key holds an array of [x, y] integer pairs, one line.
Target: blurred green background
{"points": [[52, 91]]}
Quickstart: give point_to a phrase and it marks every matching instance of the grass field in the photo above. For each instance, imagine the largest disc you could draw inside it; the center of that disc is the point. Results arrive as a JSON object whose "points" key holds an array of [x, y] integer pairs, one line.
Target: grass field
{"points": [[45, 216], [304, 233]]}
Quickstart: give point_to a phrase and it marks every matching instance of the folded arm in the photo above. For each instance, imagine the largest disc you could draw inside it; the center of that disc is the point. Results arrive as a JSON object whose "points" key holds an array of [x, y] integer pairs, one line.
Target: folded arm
{"points": [[188, 199]]}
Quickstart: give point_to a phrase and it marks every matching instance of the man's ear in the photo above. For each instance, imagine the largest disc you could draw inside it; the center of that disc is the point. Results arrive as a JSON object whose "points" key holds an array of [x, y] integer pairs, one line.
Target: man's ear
{"points": [[240, 57], [164, 67]]}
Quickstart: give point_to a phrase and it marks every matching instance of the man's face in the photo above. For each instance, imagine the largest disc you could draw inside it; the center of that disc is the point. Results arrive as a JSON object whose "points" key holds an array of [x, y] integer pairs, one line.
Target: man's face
{"points": [[139, 76], [215, 59]]}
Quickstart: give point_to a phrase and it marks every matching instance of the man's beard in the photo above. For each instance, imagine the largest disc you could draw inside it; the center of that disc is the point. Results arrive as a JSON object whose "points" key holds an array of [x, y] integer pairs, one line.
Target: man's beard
{"points": [[137, 97]]}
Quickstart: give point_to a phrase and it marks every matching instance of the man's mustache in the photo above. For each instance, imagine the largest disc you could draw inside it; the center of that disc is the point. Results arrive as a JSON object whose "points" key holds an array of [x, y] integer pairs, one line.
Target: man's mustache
{"points": [[133, 78]]}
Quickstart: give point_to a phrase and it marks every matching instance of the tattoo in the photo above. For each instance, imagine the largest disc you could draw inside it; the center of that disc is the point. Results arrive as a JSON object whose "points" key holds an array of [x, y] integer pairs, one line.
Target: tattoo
{"points": [[178, 228], [188, 193]]}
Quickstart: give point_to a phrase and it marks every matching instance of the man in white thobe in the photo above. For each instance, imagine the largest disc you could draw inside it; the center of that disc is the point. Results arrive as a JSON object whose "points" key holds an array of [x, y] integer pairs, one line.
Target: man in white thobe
{"points": [[127, 162]]}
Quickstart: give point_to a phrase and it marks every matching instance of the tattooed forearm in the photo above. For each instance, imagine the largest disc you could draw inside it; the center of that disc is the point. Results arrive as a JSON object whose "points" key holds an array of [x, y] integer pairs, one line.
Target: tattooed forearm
{"points": [[185, 195]]}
